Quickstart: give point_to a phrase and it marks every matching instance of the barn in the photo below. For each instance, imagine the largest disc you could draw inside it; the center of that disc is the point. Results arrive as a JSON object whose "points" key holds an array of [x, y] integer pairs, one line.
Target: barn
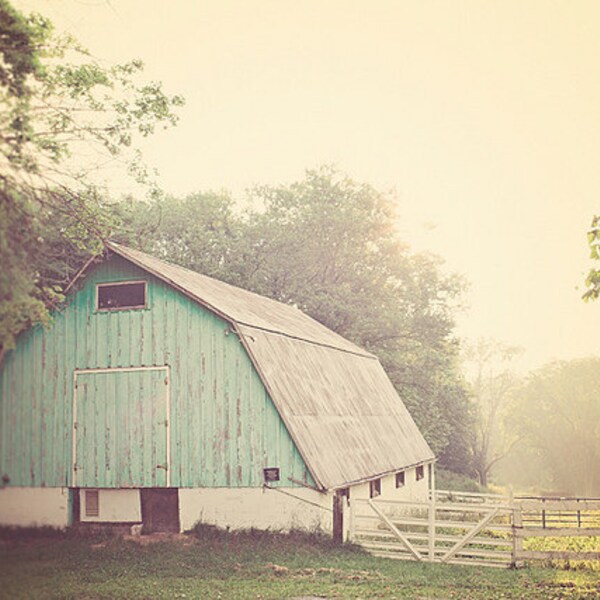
{"points": [[164, 397]]}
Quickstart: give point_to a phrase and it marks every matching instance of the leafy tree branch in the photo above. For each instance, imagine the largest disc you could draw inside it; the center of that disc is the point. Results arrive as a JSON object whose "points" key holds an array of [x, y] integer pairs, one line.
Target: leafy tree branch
{"points": [[63, 117]]}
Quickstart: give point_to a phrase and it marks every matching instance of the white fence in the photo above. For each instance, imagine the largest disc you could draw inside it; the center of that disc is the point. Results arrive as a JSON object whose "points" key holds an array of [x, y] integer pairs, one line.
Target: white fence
{"points": [[476, 529]]}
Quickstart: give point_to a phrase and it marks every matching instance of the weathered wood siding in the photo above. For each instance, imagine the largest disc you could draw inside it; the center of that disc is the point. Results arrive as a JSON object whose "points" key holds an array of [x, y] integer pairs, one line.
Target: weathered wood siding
{"points": [[122, 428], [224, 428]]}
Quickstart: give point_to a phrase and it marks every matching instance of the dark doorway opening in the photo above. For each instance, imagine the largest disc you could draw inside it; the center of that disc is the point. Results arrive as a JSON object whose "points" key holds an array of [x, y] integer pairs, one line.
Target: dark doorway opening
{"points": [[160, 510], [75, 506]]}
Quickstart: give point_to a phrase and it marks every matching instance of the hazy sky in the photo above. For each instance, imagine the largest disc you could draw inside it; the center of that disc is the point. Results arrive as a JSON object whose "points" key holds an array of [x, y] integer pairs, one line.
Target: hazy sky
{"points": [[484, 117]]}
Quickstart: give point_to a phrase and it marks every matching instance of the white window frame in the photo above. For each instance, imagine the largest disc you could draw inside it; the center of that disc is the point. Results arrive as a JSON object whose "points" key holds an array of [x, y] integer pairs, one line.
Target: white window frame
{"points": [[115, 283]]}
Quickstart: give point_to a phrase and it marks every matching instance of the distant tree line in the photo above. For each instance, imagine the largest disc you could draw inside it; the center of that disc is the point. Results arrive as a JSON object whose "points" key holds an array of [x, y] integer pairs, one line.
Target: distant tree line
{"points": [[555, 412]]}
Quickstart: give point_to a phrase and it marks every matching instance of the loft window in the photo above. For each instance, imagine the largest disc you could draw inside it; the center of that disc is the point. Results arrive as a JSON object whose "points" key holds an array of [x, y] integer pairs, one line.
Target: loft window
{"points": [[375, 488], [271, 474], [92, 503], [400, 479], [420, 472], [121, 295]]}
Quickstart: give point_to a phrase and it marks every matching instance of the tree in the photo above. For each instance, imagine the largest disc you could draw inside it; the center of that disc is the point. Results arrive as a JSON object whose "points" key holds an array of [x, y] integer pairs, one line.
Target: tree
{"points": [[200, 232], [558, 414], [330, 246], [62, 115], [592, 281], [492, 379]]}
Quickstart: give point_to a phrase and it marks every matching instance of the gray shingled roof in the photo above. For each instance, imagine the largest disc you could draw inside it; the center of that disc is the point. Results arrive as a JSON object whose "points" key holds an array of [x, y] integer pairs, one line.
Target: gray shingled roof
{"points": [[338, 404]]}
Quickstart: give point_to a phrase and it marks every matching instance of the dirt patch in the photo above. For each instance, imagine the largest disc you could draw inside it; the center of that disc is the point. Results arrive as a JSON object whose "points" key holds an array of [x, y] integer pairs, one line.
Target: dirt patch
{"points": [[147, 540], [339, 574]]}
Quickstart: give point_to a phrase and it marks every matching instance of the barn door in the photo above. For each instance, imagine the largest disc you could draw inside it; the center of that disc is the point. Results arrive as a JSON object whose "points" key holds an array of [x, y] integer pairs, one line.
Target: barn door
{"points": [[160, 510], [121, 428]]}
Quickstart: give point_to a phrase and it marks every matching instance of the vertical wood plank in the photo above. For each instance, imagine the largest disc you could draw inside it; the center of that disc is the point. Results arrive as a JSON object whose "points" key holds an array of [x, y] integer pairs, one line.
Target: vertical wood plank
{"points": [[517, 525], [352, 507], [432, 509]]}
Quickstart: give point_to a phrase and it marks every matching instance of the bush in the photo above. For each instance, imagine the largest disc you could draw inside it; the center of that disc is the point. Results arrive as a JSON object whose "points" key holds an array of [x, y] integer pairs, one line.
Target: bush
{"points": [[449, 480]]}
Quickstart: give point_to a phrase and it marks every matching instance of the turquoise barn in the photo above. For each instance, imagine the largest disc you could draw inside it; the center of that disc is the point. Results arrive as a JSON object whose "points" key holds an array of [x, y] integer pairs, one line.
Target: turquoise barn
{"points": [[162, 397]]}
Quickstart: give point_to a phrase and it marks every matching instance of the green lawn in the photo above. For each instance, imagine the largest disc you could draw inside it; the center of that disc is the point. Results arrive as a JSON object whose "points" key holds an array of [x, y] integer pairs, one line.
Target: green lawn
{"points": [[253, 565]]}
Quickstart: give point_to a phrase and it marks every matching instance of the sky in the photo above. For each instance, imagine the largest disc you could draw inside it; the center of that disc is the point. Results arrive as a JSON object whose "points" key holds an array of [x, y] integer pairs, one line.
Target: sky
{"points": [[481, 117]]}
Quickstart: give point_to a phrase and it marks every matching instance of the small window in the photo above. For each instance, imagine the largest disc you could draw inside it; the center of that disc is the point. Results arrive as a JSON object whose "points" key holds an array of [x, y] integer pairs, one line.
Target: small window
{"points": [[420, 472], [271, 474], [121, 296], [400, 480], [375, 488], [92, 503]]}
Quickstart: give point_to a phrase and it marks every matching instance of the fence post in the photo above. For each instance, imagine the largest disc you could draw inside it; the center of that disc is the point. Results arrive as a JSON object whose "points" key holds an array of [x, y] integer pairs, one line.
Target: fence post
{"points": [[351, 508], [431, 524], [338, 517], [517, 526]]}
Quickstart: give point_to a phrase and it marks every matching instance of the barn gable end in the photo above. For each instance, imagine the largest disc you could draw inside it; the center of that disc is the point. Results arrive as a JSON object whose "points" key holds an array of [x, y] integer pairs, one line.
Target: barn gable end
{"points": [[223, 428]]}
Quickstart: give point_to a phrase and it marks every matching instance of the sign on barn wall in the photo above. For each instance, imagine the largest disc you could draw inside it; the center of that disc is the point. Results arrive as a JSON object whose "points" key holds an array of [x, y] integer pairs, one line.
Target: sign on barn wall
{"points": [[121, 427]]}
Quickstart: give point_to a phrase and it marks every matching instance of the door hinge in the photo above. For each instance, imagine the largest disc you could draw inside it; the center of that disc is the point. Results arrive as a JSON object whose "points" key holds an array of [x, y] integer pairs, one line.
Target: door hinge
{"points": [[165, 467]]}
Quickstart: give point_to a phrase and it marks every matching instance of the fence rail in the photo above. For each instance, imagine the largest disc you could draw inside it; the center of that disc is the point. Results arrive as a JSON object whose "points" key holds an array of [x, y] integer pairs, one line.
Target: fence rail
{"points": [[464, 528]]}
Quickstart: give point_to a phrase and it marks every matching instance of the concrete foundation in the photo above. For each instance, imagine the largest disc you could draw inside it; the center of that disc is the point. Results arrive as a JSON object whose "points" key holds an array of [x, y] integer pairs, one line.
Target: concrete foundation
{"points": [[277, 509], [114, 506], [34, 507]]}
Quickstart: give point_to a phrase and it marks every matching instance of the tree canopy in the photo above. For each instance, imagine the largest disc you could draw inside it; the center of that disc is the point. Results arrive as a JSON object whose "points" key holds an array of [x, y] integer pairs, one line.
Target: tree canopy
{"points": [[558, 414], [62, 117], [330, 246]]}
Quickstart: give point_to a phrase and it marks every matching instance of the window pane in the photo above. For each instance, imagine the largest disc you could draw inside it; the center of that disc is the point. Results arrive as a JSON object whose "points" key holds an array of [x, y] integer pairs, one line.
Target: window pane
{"points": [[375, 488], [122, 295]]}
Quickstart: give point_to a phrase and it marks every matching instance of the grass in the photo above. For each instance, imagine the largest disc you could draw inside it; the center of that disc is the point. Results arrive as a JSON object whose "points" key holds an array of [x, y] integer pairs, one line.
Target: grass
{"points": [[210, 563], [576, 544]]}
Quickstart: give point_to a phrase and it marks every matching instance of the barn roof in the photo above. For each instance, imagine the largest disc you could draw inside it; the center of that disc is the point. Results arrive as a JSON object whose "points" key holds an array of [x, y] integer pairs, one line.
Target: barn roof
{"points": [[338, 404]]}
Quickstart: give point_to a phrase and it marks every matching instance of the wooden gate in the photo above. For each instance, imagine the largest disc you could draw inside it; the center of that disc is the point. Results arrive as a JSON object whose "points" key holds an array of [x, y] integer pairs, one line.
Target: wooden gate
{"points": [[473, 529], [448, 532]]}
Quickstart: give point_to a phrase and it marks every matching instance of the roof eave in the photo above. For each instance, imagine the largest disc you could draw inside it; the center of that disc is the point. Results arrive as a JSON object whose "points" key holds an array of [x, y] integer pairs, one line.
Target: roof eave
{"points": [[380, 475], [116, 250]]}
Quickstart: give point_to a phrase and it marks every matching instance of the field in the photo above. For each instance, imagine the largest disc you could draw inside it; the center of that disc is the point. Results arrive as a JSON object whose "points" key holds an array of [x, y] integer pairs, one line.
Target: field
{"points": [[214, 564]]}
